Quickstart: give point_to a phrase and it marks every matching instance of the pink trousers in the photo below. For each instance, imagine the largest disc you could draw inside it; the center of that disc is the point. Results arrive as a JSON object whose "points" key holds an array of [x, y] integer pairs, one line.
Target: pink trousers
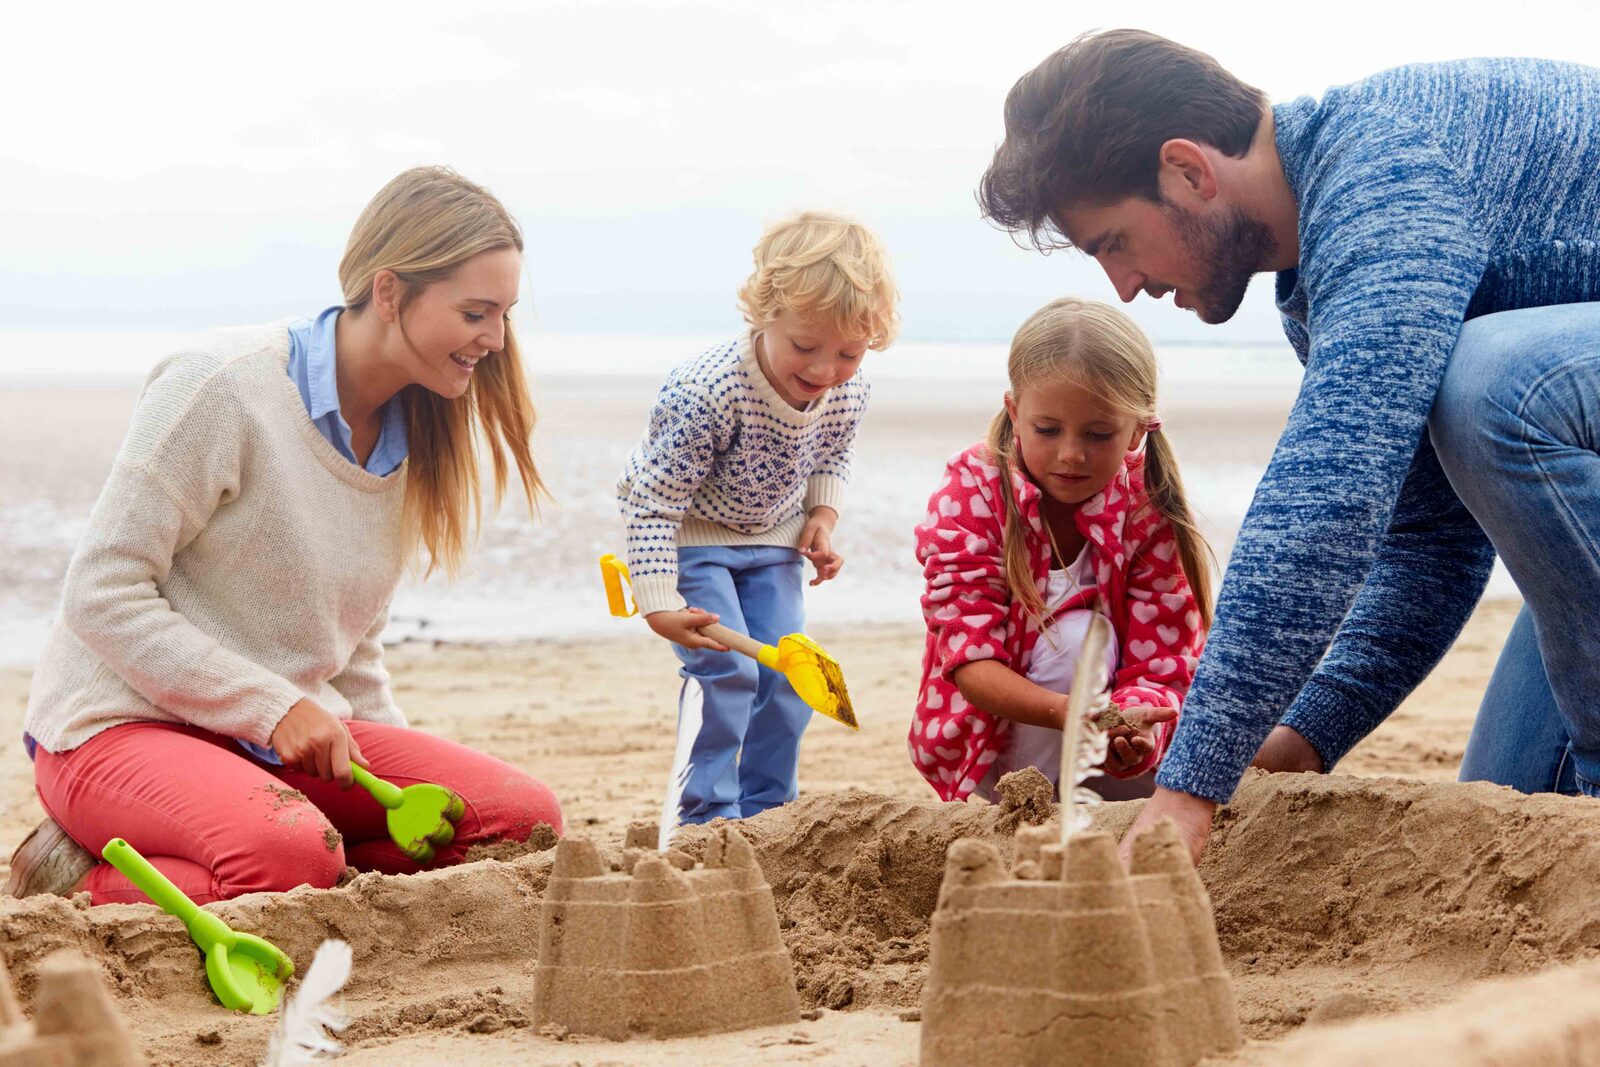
{"points": [[219, 823]]}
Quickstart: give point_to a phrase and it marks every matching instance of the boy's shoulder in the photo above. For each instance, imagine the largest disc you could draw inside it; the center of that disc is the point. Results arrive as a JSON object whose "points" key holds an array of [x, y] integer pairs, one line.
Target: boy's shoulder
{"points": [[715, 368]]}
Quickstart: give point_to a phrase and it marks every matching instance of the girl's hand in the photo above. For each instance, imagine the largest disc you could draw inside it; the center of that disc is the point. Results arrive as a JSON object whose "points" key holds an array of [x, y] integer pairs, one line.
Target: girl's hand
{"points": [[816, 543], [312, 740], [1131, 741], [683, 627]]}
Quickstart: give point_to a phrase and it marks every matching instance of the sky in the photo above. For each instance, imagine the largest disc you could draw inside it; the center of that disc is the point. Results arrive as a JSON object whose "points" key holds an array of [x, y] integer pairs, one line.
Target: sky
{"points": [[184, 165]]}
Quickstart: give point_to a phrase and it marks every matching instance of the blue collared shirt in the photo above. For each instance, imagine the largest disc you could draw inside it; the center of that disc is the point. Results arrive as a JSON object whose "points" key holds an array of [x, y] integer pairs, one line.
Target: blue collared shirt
{"points": [[313, 366]]}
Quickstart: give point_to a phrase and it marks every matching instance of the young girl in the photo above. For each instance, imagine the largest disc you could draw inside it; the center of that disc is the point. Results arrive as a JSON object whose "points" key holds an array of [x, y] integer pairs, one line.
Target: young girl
{"points": [[740, 474], [217, 668], [1072, 506]]}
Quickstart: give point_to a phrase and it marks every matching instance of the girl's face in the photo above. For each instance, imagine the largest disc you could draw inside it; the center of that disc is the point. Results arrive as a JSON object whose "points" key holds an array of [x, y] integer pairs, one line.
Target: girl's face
{"points": [[454, 323], [804, 359], [1071, 440]]}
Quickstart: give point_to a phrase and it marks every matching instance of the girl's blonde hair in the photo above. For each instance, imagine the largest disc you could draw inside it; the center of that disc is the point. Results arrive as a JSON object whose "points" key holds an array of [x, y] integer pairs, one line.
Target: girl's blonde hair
{"points": [[827, 267], [422, 226], [1100, 348]]}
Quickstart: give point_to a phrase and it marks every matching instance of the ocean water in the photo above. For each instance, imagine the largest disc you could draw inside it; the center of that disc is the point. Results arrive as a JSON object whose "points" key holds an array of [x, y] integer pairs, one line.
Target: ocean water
{"points": [[65, 398]]}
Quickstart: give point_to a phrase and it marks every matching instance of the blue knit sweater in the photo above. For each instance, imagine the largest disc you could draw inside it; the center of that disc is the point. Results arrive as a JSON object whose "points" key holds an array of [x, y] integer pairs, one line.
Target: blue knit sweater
{"points": [[1428, 195]]}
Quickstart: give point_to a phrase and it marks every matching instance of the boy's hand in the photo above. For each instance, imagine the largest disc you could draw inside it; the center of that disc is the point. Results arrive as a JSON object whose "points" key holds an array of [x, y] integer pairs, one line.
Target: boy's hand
{"points": [[683, 627], [816, 543], [1131, 741]]}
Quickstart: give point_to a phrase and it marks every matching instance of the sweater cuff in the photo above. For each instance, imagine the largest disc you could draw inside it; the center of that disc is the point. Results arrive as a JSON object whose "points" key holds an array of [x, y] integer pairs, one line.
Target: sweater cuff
{"points": [[824, 490], [657, 592], [1328, 720], [266, 708], [1208, 756]]}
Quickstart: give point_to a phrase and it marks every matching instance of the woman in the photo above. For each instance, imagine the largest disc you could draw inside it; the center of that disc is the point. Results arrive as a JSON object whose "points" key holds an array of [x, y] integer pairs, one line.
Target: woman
{"points": [[217, 666]]}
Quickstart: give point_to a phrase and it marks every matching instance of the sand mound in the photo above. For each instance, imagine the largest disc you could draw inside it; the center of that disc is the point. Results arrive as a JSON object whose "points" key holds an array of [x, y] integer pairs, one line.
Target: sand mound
{"points": [[1334, 898]]}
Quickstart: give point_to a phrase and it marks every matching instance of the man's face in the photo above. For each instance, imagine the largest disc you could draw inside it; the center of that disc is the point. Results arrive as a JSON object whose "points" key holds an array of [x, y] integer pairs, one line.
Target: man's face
{"points": [[1205, 260]]}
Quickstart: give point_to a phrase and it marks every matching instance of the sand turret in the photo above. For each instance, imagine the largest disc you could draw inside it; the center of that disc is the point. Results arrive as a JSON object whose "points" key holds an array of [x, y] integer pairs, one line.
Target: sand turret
{"points": [[75, 1024], [1066, 959], [659, 951]]}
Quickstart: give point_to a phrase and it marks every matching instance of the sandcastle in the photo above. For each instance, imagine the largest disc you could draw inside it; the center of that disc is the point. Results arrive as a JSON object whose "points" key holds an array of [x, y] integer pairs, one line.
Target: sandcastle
{"points": [[660, 951], [75, 1023], [1076, 961]]}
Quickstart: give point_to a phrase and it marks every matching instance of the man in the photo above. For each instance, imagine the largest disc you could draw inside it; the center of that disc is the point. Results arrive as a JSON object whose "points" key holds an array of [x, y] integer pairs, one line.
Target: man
{"points": [[1436, 236]]}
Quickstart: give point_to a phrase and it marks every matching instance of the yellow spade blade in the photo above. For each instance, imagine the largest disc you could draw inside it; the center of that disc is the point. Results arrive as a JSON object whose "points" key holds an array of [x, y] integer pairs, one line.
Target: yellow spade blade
{"points": [[816, 676]]}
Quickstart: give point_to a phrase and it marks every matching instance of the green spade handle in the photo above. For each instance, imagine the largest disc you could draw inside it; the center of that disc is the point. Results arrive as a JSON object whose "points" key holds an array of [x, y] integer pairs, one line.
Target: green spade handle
{"points": [[383, 792], [206, 929]]}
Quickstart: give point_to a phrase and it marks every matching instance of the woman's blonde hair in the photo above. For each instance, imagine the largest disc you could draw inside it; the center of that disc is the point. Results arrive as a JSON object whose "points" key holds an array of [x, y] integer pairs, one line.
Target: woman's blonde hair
{"points": [[422, 226], [1100, 348], [823, 267]]}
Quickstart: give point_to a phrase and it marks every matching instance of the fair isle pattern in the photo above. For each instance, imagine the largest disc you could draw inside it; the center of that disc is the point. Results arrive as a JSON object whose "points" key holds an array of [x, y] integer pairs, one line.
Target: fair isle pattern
{"points": [[971, 614], [1428, 195], [726, 461]]}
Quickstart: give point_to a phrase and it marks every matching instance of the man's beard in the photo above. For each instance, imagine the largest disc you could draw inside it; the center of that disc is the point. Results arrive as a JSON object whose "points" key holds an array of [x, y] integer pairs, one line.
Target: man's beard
{"points": [[1233, 247]]}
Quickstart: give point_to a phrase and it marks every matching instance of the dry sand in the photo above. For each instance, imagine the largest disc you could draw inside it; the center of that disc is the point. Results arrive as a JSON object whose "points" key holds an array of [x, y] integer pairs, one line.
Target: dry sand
{"points": [[1337, 899]]}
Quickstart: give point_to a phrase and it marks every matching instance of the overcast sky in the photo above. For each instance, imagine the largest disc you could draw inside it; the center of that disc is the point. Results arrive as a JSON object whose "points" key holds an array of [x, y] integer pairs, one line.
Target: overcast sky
{"points": [[182, 165]]}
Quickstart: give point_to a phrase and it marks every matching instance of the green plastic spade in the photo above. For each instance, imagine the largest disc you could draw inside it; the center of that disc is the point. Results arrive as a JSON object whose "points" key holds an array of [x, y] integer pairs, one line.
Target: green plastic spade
{"points": [[245, 972], [420, 816]]}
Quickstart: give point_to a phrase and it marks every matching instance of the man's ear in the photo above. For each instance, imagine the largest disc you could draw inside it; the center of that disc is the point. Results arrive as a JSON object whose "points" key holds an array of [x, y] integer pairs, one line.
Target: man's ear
{"points": [[1186, 171]]}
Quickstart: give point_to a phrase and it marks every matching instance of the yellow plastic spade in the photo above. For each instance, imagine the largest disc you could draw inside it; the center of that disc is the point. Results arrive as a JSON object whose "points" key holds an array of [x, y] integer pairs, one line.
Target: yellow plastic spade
{"points": [[246, 973], [815, 675]]}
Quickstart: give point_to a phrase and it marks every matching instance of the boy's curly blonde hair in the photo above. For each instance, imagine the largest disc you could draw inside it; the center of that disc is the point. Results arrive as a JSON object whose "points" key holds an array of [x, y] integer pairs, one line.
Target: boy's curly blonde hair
{"points": [[823, 267]]}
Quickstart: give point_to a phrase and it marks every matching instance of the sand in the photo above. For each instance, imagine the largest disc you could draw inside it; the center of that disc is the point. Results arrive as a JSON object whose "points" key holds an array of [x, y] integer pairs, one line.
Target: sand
{"points": [[1341, 902]]}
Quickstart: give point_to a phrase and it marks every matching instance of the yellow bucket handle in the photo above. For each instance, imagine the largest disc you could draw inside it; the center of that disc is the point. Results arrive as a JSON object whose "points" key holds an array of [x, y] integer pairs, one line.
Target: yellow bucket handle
{"points": [[614, 573]]}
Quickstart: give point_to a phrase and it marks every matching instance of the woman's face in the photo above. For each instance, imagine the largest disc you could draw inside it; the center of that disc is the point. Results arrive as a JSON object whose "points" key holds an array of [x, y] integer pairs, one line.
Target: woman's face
{"points": [[454, 323], [1072, 441]]}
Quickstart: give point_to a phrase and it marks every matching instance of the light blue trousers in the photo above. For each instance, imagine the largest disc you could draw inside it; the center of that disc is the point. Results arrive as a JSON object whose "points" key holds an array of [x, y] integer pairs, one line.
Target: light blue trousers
{"points": [[739, 724], [1517, 428]]}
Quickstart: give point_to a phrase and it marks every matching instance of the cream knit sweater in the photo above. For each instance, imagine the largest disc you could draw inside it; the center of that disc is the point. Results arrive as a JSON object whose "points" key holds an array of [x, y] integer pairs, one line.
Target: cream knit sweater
{"points": [[234, 564]]}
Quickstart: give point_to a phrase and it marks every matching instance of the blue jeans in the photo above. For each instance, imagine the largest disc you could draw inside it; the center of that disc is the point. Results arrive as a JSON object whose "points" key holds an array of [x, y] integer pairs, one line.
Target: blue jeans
{"points": [[1517, 428], [739, 724]]}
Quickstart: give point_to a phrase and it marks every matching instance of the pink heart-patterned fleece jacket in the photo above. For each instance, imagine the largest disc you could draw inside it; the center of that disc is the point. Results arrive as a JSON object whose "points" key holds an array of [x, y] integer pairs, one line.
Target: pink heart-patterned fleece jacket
{"points": [[971, 614]]}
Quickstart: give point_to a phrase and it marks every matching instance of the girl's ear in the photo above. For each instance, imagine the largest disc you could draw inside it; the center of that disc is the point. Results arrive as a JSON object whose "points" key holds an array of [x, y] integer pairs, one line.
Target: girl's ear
{"points": [[1136, 439], [1011, 408]]}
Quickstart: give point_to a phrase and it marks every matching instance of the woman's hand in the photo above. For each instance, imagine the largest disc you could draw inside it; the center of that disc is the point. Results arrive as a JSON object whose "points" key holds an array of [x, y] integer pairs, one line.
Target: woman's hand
{"points": [[816, 543], [311, 740], [683, 627], [1131, 740]]}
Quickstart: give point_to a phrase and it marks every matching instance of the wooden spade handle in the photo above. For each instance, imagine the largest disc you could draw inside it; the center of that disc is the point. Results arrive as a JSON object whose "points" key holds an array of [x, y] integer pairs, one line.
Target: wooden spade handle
{"points": [[733, 639]]}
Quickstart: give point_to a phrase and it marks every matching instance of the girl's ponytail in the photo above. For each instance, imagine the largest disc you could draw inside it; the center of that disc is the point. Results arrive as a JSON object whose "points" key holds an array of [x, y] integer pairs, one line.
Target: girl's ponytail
{"points": [[1018, 572], [1164, 487]]}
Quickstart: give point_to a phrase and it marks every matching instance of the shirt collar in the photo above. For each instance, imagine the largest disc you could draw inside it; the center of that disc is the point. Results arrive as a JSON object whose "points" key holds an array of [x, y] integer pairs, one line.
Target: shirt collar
{"points": [[322, 376]]}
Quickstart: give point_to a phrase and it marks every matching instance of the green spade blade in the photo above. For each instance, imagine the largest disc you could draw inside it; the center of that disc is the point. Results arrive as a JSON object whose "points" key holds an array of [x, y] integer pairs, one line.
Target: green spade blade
{"points": [[420, 817], [245, 972]]}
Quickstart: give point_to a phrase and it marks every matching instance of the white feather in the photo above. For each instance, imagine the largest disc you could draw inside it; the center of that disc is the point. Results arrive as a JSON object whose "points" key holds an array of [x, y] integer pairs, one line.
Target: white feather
{"points": [[302, 1034], [691, 715], [1083, 743]]}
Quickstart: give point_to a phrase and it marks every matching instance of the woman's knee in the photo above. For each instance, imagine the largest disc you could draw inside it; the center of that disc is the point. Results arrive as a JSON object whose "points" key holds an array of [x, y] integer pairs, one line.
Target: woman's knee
{"points": [[514, 805], [292, 845]]}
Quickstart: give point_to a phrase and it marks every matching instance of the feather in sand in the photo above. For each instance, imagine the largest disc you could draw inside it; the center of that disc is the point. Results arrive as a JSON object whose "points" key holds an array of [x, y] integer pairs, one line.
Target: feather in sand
{"points": [[691, 713], [1083, 743], [302, 1035]]}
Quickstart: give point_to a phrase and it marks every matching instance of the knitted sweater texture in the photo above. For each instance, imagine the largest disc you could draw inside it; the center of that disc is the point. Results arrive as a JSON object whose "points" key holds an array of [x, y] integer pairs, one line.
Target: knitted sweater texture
{"points": [[1427, 195], [234, 564], [727, 461]]}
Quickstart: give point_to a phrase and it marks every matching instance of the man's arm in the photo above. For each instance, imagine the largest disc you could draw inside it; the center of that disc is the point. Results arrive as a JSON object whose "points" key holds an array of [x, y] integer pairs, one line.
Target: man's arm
{"points": [[1430, 571], [1392, 261]]}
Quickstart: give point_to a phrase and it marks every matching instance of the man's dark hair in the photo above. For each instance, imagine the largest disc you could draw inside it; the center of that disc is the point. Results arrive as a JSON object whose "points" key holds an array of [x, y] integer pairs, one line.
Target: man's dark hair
{"points": [[1086, 126]]}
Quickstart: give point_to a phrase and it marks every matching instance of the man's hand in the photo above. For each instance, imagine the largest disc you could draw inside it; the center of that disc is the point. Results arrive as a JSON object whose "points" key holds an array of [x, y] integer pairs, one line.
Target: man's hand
{"points": [[683, 627], [1131, 741], [312, 740], [1192, 814], [816, 543], [1287, 750]]}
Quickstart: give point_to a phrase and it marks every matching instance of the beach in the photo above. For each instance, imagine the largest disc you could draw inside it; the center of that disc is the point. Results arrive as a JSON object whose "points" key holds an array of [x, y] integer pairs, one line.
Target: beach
{"points": [[1342, 901]]}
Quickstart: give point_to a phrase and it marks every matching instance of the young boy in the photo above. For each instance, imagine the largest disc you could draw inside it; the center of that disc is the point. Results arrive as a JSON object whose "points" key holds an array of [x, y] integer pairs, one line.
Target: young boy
{"points": [[739, 475]]}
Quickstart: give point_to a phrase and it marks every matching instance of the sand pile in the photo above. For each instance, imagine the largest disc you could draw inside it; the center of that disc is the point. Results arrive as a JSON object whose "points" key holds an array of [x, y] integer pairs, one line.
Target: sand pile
{"points": [[656, 951], [1334, 898], [74, 1024], [1065, 957]]}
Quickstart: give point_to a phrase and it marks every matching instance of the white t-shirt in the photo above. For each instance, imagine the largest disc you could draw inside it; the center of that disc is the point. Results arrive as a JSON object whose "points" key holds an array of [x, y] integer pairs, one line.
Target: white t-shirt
{"points": [[1055, 657]]}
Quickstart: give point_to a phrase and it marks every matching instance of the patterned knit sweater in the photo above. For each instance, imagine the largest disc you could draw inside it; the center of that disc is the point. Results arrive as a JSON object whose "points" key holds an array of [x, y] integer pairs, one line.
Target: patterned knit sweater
{"points": [[234, 564], [1428, 195], [727, 461]]}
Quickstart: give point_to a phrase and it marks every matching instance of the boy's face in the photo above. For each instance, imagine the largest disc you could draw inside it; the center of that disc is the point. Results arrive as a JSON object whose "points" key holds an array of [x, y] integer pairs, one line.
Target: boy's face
{"points": [[804, 358]]}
